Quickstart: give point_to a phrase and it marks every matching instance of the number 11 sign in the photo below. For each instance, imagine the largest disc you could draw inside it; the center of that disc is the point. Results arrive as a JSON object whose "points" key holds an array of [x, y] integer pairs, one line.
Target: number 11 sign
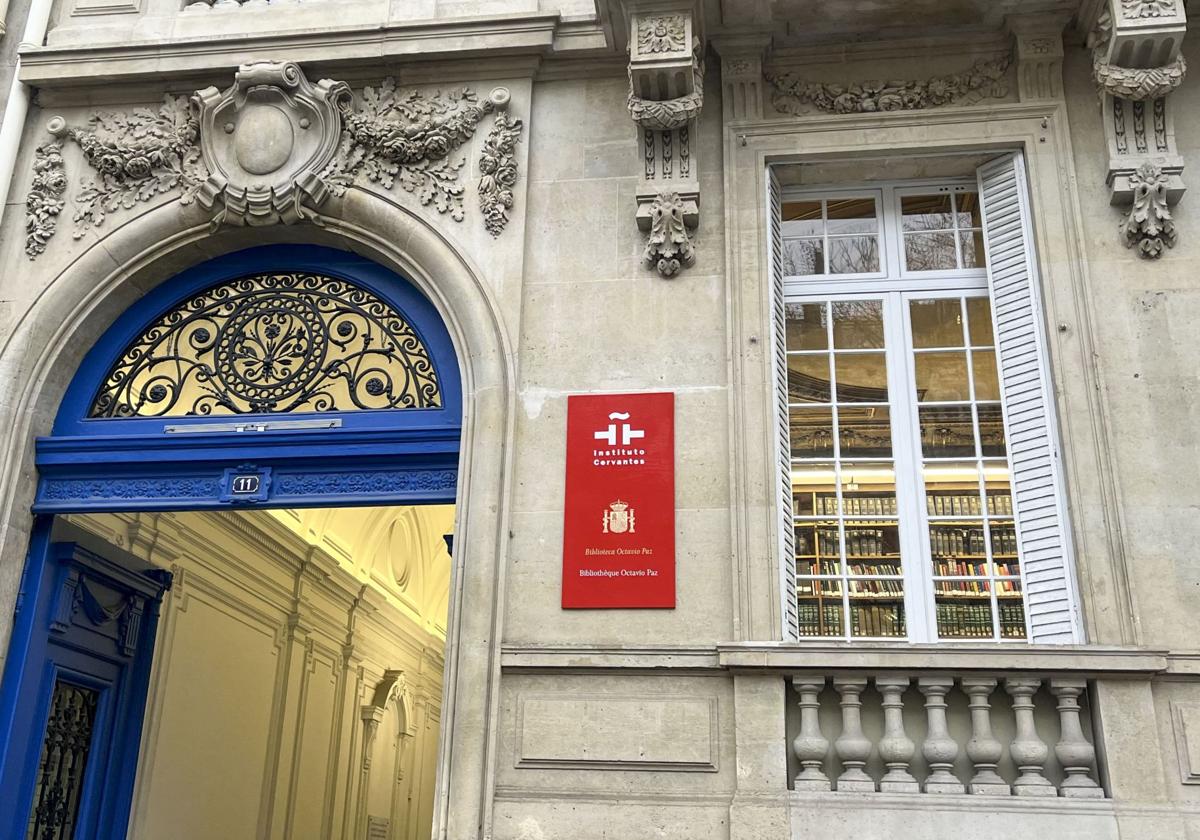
{"points": [[619, 512]]}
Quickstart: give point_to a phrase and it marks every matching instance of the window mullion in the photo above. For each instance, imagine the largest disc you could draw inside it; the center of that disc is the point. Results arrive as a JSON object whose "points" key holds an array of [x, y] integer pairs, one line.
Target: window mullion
{"points": [[906, 448]]}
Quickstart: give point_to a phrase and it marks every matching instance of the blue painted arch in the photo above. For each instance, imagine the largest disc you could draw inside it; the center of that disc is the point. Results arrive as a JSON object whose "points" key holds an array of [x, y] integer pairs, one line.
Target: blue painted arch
{"points": [[141, 463]]}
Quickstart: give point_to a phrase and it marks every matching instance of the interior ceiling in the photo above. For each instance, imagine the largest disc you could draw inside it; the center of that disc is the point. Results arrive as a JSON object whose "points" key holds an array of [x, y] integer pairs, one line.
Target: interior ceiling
{"points": [[799, 23], [893, 168]]}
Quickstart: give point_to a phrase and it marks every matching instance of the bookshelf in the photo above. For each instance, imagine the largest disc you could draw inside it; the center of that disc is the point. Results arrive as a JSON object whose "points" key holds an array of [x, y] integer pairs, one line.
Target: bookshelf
{"points": [[969, 580]]}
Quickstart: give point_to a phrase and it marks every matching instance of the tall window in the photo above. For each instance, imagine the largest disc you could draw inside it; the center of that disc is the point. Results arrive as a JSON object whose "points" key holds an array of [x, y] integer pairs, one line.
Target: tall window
{"points": [[902, 497]]}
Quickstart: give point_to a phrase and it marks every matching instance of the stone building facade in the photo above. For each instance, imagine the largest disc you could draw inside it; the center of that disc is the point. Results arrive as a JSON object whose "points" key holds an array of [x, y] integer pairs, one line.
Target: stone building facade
{"points": [[915, 273]]}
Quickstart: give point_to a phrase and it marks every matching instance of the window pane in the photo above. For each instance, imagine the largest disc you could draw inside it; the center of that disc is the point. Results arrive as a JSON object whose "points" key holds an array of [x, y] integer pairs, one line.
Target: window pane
{"points": [[853, 254], [979, 314], [942, 377], [803, 257], [812, 490], [851, 215], [936, 322], [1012, 609], [807, 328], [820, 614], [952, 492], [929, 251], [964, 609], [973, 253], [947, 431], [808, 378], [987, 385], [991, 431], [861, 377], [802, 218], [967, 205], [872, 548], [864, 432], [858, 324], [811, 432], [876, 608], [926, 212]]}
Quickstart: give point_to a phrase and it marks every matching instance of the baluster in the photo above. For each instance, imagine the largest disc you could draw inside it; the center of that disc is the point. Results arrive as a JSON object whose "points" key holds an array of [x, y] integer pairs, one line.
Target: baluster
{"points": [[852, 746], [983, 749], [1076, 755], [1028, 751], [939, 748], [810, 745], [895, 747]]}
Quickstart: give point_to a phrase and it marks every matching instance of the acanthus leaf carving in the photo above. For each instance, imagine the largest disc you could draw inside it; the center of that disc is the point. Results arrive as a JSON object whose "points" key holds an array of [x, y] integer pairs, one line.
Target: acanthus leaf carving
{"points": [[661, 34], [669, 245], [1149, 226], [1134, 83], [669, 114], [985, 77], [407, 139], [1148, 8], [498, 166]]}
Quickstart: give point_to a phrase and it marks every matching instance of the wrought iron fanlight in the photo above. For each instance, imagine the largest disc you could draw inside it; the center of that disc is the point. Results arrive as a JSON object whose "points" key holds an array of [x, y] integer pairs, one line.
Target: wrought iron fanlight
{"points": [[272, 343]]}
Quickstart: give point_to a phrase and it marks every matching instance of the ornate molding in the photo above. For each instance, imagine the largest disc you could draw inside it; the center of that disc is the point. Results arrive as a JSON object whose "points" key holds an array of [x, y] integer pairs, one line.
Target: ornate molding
{"points": [[1149, 226], [985, 77], [668, 246], [1148, 8], [406, 138], [662, 34], [669, 114], [498, 165], [271, 149]]}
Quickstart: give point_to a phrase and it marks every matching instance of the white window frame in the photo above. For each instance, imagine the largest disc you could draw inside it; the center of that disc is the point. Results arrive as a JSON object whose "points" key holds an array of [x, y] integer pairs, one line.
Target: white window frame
{"points": [[895, 287], [835, 194]]}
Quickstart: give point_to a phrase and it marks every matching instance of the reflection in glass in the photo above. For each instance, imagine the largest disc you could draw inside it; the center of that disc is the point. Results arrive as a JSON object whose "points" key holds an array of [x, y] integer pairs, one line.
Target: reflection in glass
{"points": [[936, 322], [806, 326], [967, 205], [987, 384], [861, 377], [979, 315], [864, 432], [808, 378], [947, 431], [851, 215], [973, 253], [991, 431], [811, 432], [929, 251], [802, 218], [853, 254], [942, 377], [858, 324], [803, 257], [926, 212]]}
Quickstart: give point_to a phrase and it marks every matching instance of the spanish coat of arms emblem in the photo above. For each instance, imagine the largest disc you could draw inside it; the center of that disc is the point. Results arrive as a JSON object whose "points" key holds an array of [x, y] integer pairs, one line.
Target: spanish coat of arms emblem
{"points": [[619, 518]]}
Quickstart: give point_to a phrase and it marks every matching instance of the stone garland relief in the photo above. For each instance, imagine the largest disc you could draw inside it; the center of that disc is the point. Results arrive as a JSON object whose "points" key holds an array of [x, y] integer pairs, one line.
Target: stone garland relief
{"points": [[210, 148], [1149, 226], [986, 77]]}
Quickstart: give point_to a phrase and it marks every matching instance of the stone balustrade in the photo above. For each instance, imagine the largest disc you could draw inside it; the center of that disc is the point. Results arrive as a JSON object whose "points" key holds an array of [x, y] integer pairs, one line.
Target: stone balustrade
{"points": [[937, 734]]}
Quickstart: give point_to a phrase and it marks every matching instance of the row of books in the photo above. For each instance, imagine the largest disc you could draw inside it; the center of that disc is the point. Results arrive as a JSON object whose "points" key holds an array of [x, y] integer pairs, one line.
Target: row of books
{"points": [[974, 621], [953, 542], [820, 620], [826, 505], [858, 588], [860, 542], [977, 587], [877, 621], [968, 504], [962, 568]]}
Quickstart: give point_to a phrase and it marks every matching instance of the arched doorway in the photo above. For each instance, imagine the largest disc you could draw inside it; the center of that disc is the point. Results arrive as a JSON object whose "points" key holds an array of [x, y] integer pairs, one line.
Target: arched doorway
{"points": [[270, 381]]}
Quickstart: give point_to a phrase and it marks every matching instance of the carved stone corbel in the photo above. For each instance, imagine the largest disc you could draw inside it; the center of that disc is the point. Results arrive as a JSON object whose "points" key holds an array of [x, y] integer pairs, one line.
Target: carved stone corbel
{"points": [[666, 96], [1039, 50], [1137, 63]]}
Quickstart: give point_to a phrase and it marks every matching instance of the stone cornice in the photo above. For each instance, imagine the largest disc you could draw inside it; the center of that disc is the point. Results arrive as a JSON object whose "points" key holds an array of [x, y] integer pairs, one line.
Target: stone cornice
{"points": [[465, 38]]}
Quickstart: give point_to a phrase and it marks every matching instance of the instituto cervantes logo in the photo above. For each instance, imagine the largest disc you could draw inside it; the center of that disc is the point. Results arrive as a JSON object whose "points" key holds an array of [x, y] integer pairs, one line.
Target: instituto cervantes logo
{"points": [[619, 518]]}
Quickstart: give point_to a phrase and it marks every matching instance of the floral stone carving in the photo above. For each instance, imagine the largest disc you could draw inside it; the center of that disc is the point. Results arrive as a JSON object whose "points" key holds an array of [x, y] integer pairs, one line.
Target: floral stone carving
{"points": [[407, 138], [1149, 226], [265, 140], [44, 201], [985, 77], [498, 166], [136, 155], [669, 246], [1148, 8]]}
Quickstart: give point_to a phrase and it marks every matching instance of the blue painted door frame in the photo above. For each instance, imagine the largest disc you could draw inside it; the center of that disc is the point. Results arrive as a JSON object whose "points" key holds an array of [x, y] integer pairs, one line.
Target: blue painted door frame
{"points": [[398, 456], [62, 632]]}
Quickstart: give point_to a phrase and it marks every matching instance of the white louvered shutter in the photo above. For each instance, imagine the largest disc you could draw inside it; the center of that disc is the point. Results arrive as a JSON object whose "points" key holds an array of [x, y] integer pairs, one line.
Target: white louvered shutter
{"points": [[783, 442], [1029, 418]]}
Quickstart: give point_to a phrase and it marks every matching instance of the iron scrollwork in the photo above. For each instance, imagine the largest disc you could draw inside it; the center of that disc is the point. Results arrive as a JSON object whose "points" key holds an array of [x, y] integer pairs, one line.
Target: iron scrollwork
{"points": [[272, 343]]}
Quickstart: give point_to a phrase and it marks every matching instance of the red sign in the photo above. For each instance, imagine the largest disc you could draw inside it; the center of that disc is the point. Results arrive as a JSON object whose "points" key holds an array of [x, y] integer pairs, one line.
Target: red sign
{"points": [[619, 529]]}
